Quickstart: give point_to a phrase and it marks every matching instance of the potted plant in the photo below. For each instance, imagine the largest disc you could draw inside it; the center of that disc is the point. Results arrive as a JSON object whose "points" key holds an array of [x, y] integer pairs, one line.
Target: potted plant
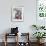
{"points": [[39, 35]]}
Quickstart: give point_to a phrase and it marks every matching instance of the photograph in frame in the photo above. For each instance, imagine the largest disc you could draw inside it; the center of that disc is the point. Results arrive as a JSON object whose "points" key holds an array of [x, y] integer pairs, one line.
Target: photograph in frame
{"points": [[17, 14]]}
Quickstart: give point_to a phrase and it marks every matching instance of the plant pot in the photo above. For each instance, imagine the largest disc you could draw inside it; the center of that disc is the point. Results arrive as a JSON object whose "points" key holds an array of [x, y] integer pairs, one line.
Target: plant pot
{"points": [[38, 40]]}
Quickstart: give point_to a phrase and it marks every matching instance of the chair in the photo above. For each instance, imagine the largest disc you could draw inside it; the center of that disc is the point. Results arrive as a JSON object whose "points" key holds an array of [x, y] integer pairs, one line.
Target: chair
{"points": [[7, 35], [14, 32]]}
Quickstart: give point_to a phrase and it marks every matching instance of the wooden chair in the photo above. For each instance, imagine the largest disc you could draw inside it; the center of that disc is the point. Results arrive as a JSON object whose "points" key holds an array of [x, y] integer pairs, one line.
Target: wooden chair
{"points": [[8, 34]]}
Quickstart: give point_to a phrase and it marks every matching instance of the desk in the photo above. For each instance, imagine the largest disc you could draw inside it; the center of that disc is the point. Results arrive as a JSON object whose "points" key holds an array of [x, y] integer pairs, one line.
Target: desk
{"points": [[8, 34]]}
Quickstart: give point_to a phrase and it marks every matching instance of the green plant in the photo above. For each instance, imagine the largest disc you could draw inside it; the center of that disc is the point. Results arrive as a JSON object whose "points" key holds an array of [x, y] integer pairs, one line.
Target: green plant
{"points": [[34, 26], [39, 35], [42, 27], [38, 27]]}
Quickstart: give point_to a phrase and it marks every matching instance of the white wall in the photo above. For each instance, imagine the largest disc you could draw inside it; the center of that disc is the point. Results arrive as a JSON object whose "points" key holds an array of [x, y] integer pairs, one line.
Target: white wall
{"points": [[29, 15]]}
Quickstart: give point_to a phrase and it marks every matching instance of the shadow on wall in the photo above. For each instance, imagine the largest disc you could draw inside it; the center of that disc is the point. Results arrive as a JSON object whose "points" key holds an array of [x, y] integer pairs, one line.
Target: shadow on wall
{"points": [[7, 30]]}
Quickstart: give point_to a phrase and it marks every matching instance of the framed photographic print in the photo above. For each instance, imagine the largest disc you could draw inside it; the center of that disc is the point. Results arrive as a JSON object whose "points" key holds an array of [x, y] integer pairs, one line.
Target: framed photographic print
{"points": [[17, 13]]}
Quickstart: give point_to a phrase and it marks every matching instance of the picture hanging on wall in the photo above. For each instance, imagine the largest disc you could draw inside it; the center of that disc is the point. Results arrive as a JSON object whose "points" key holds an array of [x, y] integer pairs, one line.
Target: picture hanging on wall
{"points": [[17, 14]]}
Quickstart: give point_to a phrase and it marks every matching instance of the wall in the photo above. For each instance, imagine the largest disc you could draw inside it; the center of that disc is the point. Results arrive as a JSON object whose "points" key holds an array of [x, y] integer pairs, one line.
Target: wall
{"points": [[29, 15]]}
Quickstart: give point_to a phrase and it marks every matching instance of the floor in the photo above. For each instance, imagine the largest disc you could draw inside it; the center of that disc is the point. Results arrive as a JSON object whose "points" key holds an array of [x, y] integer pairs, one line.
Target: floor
{"points": [[13, 44]]}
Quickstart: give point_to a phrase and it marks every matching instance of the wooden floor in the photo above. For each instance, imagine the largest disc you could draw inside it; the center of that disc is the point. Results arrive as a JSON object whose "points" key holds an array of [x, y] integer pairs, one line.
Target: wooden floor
{"points": [[13, 44]]}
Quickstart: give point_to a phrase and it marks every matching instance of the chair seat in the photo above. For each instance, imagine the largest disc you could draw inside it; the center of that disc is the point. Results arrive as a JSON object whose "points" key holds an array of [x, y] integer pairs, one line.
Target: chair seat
{"points": [[9, 34]]}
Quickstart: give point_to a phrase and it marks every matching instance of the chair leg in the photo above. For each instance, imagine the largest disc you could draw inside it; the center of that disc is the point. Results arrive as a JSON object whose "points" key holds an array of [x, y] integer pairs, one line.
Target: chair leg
{"points": [[17, 41], [5, 43], [5, 40]]}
